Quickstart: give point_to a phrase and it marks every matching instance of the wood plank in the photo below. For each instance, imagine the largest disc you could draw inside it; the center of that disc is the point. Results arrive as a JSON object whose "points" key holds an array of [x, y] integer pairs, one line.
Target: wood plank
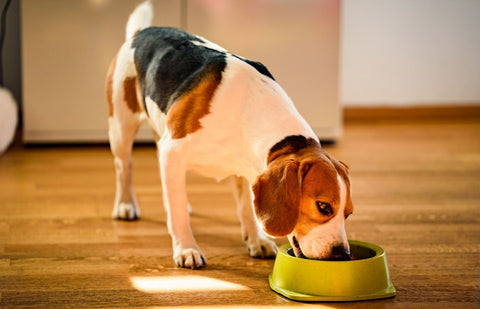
{"points": [[416, 192]]}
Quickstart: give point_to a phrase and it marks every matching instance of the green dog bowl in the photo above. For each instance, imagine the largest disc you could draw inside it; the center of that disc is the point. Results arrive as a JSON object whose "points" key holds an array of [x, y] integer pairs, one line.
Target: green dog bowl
{"points": [[363, 278]]}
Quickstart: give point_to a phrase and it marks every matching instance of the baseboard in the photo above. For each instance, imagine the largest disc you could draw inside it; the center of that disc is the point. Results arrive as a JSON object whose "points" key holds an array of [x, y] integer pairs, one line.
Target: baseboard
{"points": [[412, 112]]}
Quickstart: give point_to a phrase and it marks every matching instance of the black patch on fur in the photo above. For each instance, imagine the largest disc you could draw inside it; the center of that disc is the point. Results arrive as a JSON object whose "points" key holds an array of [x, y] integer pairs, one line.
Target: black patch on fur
{"points": [[294, 142], [258, 66], [169, 64]]}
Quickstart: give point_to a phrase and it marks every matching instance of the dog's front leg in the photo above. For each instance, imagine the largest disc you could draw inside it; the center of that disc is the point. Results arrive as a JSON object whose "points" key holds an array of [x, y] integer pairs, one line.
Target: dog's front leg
{"points": [[186, 252]]}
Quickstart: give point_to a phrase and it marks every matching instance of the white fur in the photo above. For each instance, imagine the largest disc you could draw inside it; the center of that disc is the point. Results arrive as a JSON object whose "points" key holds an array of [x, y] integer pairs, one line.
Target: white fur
{"points": [[8, 119], [140, 19], [156, 118]]}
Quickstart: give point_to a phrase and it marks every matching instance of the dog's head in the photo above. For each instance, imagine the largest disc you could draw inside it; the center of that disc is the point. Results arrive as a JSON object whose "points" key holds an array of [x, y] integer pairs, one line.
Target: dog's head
{"points": [[305, 196]]}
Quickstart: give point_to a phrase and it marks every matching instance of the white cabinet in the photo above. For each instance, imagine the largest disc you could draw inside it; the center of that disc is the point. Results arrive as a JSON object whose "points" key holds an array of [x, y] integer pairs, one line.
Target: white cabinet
{"points": [[68, 44]]}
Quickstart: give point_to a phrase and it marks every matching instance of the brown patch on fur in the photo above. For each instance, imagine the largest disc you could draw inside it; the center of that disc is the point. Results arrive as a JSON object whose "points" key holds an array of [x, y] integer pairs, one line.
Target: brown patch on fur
{"points": [[109, 85], [130, 94], [184, 116]]}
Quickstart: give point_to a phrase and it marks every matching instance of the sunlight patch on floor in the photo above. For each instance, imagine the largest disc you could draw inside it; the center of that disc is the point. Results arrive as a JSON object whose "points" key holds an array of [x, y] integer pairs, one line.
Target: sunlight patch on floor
{"points": [[183, 284]]}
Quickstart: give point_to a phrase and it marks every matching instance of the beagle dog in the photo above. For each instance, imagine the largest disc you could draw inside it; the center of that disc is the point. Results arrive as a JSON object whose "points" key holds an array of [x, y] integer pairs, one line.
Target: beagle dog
{"points": [[221, 115]]}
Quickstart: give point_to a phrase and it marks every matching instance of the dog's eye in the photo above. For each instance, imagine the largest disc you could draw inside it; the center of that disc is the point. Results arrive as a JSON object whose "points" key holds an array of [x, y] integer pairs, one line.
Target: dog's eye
{"points": [[324, 208]]}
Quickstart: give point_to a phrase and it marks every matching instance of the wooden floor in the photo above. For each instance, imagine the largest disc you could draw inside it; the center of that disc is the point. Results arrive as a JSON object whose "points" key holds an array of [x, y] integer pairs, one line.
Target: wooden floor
{"points": [[416, 189]]}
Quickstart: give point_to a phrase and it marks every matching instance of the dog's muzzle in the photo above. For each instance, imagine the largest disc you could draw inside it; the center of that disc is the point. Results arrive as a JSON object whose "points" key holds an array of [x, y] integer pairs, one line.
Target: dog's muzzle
{"points": [[339, 253]]}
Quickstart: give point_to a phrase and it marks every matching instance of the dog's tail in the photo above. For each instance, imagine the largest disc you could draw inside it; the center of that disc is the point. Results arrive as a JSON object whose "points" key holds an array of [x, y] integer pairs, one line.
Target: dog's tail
{"points": [[140, 19]]}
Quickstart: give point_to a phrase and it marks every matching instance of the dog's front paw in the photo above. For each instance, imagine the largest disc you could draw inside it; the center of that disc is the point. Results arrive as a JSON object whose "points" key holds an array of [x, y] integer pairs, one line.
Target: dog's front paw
{"points": [[189, 258], [126, 211], [261, 248]]}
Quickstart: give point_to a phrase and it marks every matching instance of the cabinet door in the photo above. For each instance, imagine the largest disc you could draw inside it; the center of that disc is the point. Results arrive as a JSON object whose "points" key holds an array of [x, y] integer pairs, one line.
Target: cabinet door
{"points": [[67, 48], [298, 40]]}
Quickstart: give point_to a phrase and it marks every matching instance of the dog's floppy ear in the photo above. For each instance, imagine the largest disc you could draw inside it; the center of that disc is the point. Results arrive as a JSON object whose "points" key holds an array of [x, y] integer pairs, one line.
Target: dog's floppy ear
{"points": [[277, 198]]}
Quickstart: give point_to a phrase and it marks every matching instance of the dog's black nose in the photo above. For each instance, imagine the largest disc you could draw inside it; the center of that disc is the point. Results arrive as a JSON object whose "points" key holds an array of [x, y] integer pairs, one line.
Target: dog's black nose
{"points": [[340, 254]]}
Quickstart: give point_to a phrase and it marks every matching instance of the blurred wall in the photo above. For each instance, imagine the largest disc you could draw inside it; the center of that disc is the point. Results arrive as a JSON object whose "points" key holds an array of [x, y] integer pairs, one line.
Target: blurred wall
{"points": [[410, 52]]}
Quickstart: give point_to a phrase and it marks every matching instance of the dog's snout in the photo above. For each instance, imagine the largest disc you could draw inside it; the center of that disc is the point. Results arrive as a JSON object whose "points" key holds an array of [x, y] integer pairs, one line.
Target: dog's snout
{"points": [[339, 253]]}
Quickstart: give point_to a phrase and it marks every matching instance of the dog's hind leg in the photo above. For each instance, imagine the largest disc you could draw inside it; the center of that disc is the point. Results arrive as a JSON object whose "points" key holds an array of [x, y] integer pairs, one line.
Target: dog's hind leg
{"points": [[124, 120], [121, 142], [257, 242]]}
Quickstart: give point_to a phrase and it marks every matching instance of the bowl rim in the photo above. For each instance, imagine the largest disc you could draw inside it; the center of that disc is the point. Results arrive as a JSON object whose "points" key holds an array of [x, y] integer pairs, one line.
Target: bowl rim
{"points": [[379, 253]]}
